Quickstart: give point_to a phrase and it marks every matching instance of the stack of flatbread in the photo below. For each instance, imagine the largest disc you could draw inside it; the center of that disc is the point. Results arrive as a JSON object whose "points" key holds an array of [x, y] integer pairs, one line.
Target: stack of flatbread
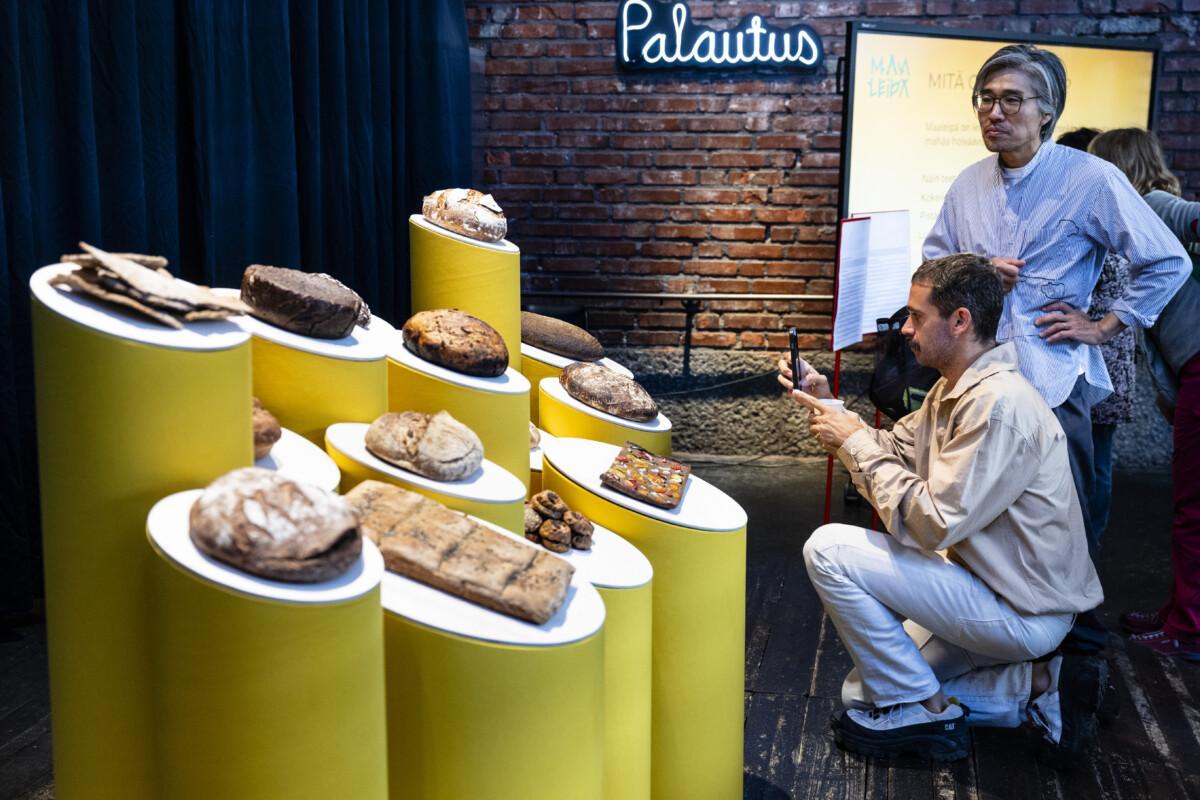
{"points": [[143, 284]]}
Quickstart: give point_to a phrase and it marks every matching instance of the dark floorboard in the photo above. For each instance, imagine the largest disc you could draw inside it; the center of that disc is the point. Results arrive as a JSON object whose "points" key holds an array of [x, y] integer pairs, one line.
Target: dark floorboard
{"points": [[795, 665]]}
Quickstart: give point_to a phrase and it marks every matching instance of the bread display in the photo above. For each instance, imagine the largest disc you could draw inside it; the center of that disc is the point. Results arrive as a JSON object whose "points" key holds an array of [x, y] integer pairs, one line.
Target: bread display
{"points": [[307, 303], [457, 341], [647, 477], [142, 284], [472, 213], [549, 522], [562, 338], [423, 540], [605, 390], [266, 429], [437, 446], [270, 526]]}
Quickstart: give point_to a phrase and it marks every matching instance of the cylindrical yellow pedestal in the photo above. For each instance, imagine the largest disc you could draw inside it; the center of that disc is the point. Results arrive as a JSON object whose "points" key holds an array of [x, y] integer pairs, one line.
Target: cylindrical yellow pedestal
{"points": [[309, 384], [482, 279], [699, 556], [262, 689], [481, 705], [127, 411], [497, 409], [537, 364], [623, 577], [563, 415], [492, 493]]}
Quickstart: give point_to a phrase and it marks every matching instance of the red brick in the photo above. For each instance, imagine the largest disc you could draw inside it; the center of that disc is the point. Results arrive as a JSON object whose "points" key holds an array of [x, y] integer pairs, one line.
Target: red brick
{"points": [[743, 250], [667, 249], [743, 233], [722, 339], [750, 321], [738, 141], [661, 319], [681, 231], [655, 195], [724, 215]]}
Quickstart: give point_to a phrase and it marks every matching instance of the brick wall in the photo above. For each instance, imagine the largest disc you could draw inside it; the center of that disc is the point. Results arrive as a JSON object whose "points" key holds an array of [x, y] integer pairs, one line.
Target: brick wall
{"points": [[668, 183]]}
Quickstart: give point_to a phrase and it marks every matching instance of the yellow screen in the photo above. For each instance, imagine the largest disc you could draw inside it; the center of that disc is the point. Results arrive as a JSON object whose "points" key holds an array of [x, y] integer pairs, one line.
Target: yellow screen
{"points": [[913, 127]]}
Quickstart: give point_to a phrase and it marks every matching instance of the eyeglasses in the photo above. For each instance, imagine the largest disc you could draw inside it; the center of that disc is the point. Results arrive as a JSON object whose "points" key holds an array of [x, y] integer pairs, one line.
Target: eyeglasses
{"points": [[1010, 104]]}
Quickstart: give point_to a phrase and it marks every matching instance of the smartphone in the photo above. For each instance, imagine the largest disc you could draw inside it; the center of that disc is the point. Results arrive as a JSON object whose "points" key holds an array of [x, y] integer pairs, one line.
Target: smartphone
{"points": [[794, 349]]}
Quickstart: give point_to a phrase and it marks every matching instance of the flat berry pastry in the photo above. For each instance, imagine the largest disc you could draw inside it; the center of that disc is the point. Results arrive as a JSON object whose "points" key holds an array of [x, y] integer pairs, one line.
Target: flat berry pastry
{"points": [[644, 476]]}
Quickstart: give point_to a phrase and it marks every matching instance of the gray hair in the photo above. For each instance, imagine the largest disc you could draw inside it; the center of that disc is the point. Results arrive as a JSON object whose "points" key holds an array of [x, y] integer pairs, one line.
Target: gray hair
{"points": [[965, 280], [1043, 68]]}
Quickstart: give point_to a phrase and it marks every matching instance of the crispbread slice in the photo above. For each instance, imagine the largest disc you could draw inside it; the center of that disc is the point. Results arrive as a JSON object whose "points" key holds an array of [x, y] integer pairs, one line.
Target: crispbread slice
{"points": [[88, 261], [78, 281]]}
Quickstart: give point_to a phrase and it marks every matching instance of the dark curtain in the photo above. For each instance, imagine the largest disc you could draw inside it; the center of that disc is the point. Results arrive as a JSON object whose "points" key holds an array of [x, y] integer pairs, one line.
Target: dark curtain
{"points": [[218, 134]]}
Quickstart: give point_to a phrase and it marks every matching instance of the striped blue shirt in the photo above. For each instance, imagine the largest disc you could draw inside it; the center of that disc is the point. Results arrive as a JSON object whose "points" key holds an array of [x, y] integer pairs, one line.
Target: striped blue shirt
{"points": [[1061, 213]]}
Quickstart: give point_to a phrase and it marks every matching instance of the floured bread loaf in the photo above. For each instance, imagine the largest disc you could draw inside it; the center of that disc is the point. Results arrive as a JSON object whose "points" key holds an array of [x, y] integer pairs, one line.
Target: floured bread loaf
{"points": [[437, 446], [308, 303], [266, 429], [562, 338], [466, 211], [423, 540], [268, 525], [605, 390], [457, 341]]}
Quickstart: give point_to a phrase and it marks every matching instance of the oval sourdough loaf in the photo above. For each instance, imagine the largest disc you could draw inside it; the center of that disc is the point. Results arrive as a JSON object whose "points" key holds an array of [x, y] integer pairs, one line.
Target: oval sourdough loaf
{"points": [[605, 390], [458, 341], [560, 337], [307, 303], [437, 446], [267, 525], [467, 211]]}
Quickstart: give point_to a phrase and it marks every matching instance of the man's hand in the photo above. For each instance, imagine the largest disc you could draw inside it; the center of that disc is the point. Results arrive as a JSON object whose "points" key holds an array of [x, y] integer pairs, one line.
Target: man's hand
{"points": [[811, 381], [1008, 269], [829, 427], [1066, 323]]}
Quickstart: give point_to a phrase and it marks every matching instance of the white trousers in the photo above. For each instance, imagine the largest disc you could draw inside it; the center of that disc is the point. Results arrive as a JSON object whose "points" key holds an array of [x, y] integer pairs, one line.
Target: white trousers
{"points": [[915, 622]]}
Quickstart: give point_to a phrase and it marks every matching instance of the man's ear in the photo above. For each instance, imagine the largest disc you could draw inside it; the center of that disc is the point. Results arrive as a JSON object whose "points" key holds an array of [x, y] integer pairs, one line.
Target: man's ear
{"points": [[960, 321]]}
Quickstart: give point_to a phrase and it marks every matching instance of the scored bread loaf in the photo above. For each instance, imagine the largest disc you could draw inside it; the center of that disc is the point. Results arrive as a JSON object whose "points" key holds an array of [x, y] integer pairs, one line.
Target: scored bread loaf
{"points": [[605, 390], [457, 341], [437, 446], [467, 211]]}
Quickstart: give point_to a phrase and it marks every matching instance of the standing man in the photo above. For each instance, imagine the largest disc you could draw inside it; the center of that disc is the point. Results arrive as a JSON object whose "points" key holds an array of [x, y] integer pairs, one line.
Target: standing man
{"points": [[1046, 215]]}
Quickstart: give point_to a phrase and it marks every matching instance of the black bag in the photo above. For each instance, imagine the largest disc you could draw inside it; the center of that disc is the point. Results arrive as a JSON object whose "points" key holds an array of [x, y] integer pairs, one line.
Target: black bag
{"points": [[898, 384]]}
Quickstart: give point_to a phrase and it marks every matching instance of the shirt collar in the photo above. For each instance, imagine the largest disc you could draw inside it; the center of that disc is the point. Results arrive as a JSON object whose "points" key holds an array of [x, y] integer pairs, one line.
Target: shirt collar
{"points": [[1001, 358], [1027, 170]]}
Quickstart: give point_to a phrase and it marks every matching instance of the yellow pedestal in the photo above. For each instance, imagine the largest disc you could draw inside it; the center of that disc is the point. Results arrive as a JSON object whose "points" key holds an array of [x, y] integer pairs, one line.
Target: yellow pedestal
{"points": [[309, 384], [482, 279], [699, 618], [563, 415], [481, 705], [492, 493], [262, 689], [497, 409], [537, 364], [127, 412]]}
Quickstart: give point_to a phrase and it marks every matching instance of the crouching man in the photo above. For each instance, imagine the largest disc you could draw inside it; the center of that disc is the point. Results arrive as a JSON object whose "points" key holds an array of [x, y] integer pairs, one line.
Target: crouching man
{"points": [[956, 608]]}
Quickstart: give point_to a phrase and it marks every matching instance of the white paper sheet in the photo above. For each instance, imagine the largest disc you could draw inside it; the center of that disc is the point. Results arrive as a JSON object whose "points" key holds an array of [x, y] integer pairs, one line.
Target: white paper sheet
{"points": [[874, 273], [853, 248]]}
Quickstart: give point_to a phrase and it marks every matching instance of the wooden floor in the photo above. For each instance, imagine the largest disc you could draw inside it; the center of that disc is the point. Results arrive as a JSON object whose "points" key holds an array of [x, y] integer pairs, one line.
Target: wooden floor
{"points": [[795, 665]]}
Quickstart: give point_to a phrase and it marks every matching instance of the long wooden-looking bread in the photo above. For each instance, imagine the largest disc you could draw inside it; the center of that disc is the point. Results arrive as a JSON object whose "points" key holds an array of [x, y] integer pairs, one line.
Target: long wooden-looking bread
{"points": [[423, 540]]}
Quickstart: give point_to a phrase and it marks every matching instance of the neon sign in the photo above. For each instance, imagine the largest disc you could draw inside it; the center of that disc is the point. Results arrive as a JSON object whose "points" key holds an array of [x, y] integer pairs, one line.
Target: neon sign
{"points": [[658, 35]]}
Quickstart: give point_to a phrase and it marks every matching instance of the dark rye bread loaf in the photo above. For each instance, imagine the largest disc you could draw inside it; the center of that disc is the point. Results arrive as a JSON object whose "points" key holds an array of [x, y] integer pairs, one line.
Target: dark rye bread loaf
{"points": [[562, 338], [267, 525], [457, 341], [307, 303], [605, 390]]}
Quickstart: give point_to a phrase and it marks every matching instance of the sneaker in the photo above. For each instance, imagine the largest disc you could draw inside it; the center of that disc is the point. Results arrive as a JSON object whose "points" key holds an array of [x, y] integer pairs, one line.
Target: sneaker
{"points": [[1164, 645], [1066, 713], [904, 728], [1141, 621]]}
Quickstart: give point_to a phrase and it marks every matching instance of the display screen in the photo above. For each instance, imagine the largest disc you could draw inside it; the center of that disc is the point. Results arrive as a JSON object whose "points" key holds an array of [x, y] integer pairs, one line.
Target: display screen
{"points": [[911, 127]]}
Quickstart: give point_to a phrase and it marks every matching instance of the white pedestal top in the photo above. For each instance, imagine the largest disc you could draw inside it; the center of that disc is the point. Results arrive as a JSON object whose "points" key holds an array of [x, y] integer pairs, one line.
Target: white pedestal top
{"points": [[502, 246], [704, 507], [535, 453], [167, 529], [553, 388], [362, 344], [612, 563], [491, 483], [511, 382], [580, 616], [114, 320], [297, 458], [555, 360]]}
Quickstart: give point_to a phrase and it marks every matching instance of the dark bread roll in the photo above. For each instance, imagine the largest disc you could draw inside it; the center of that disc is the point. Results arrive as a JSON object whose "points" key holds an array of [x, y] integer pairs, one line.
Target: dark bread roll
{"points": [[562, 338], [307, 303], [457, 341], [605, 390], [266, 429]]}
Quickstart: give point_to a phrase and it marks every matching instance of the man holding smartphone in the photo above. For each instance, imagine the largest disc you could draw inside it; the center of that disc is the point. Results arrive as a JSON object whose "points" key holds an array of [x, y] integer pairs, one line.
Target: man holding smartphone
{"points": [[986, 565]]}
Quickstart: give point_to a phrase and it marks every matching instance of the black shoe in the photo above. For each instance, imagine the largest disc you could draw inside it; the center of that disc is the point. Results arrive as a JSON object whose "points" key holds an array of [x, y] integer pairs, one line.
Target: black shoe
{"points": [[901, 729], [1066, 713], [1110, 704]]}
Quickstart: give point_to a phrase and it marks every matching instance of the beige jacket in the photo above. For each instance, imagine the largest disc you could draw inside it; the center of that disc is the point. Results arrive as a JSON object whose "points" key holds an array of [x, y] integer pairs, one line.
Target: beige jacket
{"points": [[982, 472]]}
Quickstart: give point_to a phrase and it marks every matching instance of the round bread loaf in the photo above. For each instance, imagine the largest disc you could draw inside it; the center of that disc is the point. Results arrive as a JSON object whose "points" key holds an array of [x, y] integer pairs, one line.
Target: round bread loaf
{"points": [[467, 211], [438, 446], [561, 338], [458, 341], [307, 303], [266, 429], [267, 525], [605, 390]]}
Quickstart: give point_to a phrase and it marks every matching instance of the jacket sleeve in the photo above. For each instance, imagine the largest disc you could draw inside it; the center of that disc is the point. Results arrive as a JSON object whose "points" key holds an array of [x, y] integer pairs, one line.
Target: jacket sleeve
{"points": [[978, 473], [1181, 216]]}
